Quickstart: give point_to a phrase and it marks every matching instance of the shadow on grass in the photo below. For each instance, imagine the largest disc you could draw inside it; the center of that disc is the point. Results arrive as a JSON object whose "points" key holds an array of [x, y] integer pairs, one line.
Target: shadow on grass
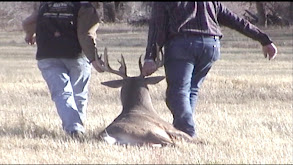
{"points": [[33, 131]]}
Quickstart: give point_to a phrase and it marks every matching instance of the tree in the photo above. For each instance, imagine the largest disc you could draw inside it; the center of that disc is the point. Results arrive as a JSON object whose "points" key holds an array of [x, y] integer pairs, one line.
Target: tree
{"points": [[291, 11], [261, 12], [108, 10]]}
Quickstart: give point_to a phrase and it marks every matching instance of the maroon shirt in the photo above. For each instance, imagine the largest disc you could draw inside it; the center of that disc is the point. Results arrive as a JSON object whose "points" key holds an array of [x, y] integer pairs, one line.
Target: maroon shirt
{"points": [[170, 19]]}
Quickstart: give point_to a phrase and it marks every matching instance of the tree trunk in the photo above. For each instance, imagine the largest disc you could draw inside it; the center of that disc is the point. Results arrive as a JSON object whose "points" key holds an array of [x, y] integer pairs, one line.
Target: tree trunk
{"points": [[291, 11], [100, 9], [110, 12], [261, 14]]}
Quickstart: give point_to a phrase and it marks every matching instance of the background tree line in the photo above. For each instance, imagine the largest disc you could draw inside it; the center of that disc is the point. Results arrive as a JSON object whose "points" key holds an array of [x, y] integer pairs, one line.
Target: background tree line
{"points": [[279, 13], [265, 13]]}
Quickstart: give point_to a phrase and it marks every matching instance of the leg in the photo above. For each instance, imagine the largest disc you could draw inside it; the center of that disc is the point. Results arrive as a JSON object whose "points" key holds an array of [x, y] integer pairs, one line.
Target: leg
{"points": [[79, 73], [204, 59], [196, 81], [56, 76], [179, 65], [178, 77], [187, 62]]}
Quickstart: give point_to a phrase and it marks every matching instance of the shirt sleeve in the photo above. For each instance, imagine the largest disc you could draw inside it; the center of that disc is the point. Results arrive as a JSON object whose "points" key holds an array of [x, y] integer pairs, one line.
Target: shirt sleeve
{"points": [[87, 25], [231, 20], [157, 33], [29, 23]]}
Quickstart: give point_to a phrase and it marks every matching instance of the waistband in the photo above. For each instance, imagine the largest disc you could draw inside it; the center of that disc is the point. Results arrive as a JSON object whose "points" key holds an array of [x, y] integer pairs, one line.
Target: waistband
{"points": [[186, 35]]}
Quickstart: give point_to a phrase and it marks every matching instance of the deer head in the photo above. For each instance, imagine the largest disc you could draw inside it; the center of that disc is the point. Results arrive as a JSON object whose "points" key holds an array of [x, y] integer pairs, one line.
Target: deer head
{"points": [[134, 90]]}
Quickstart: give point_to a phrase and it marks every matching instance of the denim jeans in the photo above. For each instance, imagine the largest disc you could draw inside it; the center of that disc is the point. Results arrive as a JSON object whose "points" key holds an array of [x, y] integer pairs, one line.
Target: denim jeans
{"points": [[188, 59], [68, 80]]}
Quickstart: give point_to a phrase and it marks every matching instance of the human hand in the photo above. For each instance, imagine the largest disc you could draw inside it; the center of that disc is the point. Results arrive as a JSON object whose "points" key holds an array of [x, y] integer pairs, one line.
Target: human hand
{"points": [[148, 67], [30, 39], [270, 51], [96, 64]]}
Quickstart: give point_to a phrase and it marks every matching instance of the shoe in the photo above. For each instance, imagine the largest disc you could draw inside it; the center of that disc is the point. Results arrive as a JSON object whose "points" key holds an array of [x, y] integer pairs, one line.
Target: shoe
{"points": [[188, 131]]}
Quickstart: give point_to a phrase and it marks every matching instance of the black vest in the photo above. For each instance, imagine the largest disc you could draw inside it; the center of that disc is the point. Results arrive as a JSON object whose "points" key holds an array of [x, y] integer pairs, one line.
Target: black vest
{"points": [[56, 30]]}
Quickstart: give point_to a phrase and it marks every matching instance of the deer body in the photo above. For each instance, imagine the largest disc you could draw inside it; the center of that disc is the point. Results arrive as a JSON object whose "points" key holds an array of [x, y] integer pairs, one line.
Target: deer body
{"points": [[138, 123]]}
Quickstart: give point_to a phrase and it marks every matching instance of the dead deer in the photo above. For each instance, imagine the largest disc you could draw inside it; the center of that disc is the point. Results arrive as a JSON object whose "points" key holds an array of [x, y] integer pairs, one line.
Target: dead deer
{"points": [[138, 123]]}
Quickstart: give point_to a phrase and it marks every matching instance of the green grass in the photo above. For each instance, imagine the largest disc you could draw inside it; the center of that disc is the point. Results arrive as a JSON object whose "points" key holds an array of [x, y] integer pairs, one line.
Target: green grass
{"points": [[244, 110]]}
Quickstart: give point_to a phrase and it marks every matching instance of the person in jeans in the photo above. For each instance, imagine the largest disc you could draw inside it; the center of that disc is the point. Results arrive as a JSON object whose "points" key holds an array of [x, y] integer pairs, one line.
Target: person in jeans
{"points": [[65, 34], [190, 34]]}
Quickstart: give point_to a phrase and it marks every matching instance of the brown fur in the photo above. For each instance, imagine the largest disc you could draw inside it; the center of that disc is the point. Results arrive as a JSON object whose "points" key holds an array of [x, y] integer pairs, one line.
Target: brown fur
{"points": [[138, 123]]}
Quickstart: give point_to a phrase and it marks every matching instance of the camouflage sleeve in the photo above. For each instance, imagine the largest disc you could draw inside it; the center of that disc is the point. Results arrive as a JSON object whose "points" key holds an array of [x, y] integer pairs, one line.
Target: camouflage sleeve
{"points": [[87, 25]]}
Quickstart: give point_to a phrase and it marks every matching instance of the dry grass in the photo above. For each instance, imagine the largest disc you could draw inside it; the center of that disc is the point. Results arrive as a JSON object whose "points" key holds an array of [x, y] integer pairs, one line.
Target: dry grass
{"points": [[244, 110]]}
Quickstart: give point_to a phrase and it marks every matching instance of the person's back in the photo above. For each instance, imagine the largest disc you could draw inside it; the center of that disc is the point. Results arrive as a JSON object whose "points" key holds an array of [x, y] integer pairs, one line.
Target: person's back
{"points": [[56, 30], [173, 19], [190, 34]]}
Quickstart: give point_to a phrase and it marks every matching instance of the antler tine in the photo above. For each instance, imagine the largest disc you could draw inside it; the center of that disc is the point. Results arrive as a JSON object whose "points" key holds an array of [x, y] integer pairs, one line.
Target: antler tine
{"points": [[123, 66], [122, 70]]}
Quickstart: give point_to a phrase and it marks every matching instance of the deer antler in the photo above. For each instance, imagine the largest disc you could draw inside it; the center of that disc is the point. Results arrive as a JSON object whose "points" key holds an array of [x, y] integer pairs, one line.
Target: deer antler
{"points": [[106, 67], [159, 59]]}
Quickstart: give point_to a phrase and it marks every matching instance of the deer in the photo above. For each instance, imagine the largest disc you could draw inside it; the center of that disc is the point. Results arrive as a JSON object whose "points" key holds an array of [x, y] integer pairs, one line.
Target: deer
{"points": [[138, 123]]}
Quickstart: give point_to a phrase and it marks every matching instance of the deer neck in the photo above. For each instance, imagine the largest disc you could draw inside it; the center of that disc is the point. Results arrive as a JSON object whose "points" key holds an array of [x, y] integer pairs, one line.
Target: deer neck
{"points": [[136, 99]]}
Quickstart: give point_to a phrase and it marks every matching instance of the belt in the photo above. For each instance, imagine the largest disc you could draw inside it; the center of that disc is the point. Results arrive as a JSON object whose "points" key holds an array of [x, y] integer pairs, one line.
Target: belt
{"points": [[199, 35], [215, 37]]}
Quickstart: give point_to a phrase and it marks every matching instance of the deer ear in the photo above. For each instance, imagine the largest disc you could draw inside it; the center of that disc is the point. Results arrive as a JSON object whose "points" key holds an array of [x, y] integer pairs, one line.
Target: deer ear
{"points": [[154, 80], [113, 84]]}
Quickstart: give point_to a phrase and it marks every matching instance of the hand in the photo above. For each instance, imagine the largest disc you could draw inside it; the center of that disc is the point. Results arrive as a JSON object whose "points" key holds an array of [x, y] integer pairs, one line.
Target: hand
{"points": [[96, 64], [30, 39], [148, 68], [270, 50]]}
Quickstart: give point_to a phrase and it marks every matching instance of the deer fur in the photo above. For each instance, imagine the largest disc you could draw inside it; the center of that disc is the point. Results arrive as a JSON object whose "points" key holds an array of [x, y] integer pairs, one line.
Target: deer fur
{"points": [[138, 123]]}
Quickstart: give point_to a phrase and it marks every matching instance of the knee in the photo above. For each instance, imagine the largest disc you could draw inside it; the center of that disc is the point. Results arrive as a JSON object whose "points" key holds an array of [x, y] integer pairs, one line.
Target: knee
{"points": [[175, 93]]}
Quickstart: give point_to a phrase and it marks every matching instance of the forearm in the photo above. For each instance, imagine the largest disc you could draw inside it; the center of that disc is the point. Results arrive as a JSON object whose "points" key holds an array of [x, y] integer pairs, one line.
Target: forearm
{"points": [[231, 20], [150, 54], [157, 33], [29, 24], [88, 24], [88, 42]]}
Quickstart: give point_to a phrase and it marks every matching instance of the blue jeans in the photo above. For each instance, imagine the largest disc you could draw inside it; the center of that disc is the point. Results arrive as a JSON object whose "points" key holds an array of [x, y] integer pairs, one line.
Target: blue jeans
{"points": [[68, 80], [188, 59]]}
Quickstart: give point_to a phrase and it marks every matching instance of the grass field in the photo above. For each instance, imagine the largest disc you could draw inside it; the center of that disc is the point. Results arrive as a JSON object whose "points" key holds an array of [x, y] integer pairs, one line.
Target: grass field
{"points": [[244, 110]]}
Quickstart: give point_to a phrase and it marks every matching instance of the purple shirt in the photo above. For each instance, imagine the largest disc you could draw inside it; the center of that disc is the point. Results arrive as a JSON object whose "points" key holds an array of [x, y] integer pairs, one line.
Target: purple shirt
{"points": [[170, 19]]}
